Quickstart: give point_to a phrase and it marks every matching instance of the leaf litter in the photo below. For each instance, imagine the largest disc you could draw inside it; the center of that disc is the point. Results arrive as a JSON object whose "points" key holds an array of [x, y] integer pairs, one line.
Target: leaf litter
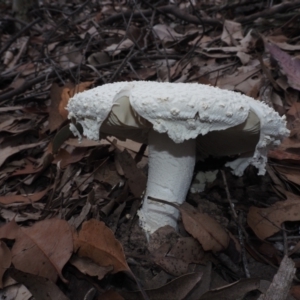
{"points": [[68, 209]]}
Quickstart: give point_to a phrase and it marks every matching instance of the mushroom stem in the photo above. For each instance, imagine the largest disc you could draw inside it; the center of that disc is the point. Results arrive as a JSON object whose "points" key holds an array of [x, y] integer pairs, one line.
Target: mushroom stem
{"points": [[171, 167]]}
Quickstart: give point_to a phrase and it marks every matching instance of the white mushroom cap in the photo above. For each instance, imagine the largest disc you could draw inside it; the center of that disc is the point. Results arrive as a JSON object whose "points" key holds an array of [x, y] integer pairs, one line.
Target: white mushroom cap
{"points": [[183, 111]]}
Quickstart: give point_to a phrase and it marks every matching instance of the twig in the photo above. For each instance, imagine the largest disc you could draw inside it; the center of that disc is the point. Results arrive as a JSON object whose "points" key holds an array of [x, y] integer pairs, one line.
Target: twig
{"points": [[285, 243], [21, 22], [17, 35], [280, 286], [129, 56], [53, 74], [242, 242], [169, 9], [228, 196], [232, 5], [241, 230], [269, 12]]}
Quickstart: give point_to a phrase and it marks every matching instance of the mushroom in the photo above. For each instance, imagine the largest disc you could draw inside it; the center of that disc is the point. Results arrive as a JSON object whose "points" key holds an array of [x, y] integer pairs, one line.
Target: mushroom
{"points": [[178, 121]]}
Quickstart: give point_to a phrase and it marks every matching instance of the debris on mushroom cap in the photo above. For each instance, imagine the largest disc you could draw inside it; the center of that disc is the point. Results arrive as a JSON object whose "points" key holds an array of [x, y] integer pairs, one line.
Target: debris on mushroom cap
{"points": [[183, 111]]}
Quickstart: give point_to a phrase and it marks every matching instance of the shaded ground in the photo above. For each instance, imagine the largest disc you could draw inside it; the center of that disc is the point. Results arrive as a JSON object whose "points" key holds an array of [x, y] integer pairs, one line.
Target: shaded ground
{"points": [[68, 209]]}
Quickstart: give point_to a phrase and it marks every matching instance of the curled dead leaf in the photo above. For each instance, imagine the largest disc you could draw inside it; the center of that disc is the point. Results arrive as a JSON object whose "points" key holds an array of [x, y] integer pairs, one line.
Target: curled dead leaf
{"points": [[267, 221], [87, 266], [97, 242], [60, 96], [204, 228], [290, 66], [43, 249], [5, 260]]}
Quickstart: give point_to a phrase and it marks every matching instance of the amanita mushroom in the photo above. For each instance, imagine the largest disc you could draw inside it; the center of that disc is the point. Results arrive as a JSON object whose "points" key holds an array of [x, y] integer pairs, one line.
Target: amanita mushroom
{"points": [[178, 121]]}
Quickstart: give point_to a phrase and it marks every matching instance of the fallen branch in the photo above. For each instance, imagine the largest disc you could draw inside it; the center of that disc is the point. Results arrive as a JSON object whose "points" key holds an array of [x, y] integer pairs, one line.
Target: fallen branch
{"points": [[167, 9], [269, 12], [17, 35], [280, 286], [29, 84]]}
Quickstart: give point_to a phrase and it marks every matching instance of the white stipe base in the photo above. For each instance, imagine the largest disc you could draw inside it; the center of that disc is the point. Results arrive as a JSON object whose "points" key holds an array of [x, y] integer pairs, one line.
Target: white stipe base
{"points": [[170, 173]]}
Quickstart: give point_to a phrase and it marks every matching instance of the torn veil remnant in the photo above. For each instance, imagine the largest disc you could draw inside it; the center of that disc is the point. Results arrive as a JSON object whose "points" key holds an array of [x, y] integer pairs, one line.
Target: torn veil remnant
{"points": [[178, 121]]}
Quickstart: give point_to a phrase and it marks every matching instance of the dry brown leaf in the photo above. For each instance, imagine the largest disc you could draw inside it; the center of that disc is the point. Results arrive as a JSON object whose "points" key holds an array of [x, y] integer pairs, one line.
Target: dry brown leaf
{"points": [[87, 266], [16, 292], [115, 49], [9, 215], [232, 31], [28, 168], [65, 158], [178, 288], [9, 230], [9, 151], [166, 33], [26, 199], [290, 173], [290, 66], [175, 260], [111, 295], [44, 248], [295, 291], [267, 221], [188, 249], [283, 155], [236, 290], [10, 108], [40, 288], [98, 58], [171, 265], [60, 96], [136, 178], [204, 228], [5, 260], [97, 242]]}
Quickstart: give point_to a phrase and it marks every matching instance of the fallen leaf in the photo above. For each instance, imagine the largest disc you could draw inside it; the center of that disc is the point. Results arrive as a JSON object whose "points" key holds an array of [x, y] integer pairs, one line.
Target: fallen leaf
{"points": [[267, 221], [171, 265], [204, 228], [97, 58], [15, 292], [40, 287], [9, 215], [111, 295], [232, 31], [26, 199], [28, 168], [9, 151], [178, 288], [290, 173], [66, 158], [176, 259], [236, 290], [43, 249], [97, 242], [5, 260], [10, 108], [166, 34], [60, 96], [136, 178], [295, 291], [9, 230], [115, 49], [87, 266], [290, 66]]}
